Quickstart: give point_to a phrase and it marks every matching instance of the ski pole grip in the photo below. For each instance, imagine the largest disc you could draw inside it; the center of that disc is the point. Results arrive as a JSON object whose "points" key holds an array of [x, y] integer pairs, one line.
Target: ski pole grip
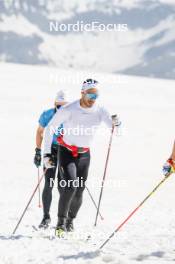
{"points": [[116, 121]]}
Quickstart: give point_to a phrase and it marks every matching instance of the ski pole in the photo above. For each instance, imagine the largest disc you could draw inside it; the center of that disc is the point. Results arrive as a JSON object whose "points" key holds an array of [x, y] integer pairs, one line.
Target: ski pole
{"points": [[133, 212], [104, 175], [39, 194], [102, 218], [28, 204]]}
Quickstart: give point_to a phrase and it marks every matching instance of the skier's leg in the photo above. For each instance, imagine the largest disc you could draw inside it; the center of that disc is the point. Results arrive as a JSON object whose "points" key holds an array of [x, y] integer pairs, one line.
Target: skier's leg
{"points": [[60, 178], [68, 175], [49, 183], [47, 191], [67, 191], [82, 173]]}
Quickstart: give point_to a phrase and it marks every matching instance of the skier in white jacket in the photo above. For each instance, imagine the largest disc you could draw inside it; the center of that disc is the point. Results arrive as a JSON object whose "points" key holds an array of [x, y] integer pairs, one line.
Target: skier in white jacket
{"points": [[80, 120]]}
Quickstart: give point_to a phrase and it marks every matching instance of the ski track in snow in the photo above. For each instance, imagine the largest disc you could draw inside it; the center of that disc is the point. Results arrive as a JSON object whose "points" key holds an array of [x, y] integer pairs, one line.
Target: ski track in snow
{"points": [[147, 111]]}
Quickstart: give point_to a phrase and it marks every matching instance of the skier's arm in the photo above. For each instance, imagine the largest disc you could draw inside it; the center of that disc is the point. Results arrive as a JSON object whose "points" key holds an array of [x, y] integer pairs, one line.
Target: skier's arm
{"points": [[39, 136], [59, 118], [106, 117], [39, 139], [173, 153]]}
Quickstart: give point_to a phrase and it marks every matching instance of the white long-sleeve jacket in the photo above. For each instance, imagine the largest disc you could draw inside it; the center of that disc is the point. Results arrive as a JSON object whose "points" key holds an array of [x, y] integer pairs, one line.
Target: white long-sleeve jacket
{"points": [[80, 124]]}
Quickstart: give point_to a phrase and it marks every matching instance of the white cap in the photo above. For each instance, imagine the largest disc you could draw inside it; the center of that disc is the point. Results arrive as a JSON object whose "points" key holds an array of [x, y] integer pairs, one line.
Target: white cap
{"points": [[89, 84], [61, 96]]}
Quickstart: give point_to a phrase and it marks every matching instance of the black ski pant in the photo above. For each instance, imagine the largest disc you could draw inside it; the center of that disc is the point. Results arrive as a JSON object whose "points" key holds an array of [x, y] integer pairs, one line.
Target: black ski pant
{"points": [[73, 175], [49, 182]]}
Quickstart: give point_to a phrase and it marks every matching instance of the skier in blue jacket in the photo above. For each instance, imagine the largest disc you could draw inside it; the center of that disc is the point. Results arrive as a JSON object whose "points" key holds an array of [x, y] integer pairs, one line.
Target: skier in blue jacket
{"points": [[50, 174]]}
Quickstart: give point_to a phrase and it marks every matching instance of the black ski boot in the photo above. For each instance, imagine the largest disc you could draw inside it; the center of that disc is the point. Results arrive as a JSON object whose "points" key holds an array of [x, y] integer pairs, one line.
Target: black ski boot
{"points": [[69, 224], [45, 222], [61, 227]]}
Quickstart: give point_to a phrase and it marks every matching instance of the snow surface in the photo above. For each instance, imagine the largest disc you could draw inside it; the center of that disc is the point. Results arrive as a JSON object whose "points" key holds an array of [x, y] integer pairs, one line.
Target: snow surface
{"points": [[146, 107]]}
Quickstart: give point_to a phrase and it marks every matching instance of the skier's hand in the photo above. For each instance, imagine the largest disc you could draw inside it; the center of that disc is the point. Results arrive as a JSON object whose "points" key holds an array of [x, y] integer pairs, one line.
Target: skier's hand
{"points": [[169, 167], [37, 158], [49, 161], [115, 120]]}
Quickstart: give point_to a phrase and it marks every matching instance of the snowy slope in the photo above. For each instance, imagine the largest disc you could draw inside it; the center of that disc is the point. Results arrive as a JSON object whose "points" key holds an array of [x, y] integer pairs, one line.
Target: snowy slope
{"points": [[146, 107], [146, 49]]}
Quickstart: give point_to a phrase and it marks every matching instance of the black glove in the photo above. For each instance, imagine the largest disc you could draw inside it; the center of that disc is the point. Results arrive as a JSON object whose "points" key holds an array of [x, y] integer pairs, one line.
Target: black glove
{"points": [[50, 161], [37, 158]]}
